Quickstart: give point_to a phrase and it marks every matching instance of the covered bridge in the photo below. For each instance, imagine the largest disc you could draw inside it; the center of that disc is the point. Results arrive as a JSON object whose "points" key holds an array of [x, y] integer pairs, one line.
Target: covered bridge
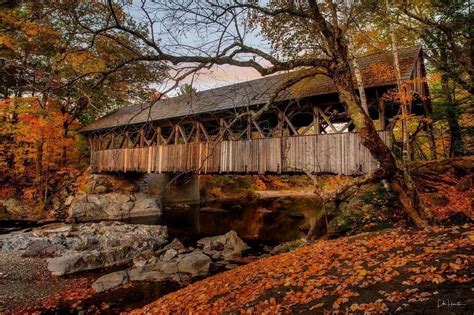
{"points": [[306, 130]]}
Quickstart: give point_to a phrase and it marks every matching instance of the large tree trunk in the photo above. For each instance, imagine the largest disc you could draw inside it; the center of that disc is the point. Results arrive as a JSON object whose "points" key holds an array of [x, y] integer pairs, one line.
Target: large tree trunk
{"points": [[357, 74], [341, 75]]}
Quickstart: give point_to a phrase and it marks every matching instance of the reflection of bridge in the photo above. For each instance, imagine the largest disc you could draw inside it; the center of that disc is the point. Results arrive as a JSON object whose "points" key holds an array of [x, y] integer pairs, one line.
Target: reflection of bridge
{"points": [[307, 129]]}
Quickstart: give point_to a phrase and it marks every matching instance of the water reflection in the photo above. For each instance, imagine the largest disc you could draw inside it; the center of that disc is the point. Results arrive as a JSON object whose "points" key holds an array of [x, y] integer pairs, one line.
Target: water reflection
{"points": [[269, 221]]}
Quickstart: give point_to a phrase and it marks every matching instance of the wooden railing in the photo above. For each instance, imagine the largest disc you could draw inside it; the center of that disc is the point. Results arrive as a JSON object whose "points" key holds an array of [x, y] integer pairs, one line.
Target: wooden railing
{"points": [[339, 153]]}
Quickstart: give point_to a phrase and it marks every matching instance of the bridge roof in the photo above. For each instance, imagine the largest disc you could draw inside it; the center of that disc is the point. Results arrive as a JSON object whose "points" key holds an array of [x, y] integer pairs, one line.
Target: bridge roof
{"points": [[377, 71]]}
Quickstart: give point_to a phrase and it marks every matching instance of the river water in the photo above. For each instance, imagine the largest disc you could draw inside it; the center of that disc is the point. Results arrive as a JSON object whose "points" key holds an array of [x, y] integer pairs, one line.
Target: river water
{"points": [[259, 222], [268, 221]]}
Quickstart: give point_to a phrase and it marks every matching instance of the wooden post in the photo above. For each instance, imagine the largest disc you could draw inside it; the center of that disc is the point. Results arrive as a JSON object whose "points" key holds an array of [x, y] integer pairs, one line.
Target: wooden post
{"points": [[281, 122], [198, 133], [176, 134], [149, 159], [100, 142], [142, 137], [249, 127], [158, 135], [316, 122], [382, 114], [221, 128], [125, 159]]}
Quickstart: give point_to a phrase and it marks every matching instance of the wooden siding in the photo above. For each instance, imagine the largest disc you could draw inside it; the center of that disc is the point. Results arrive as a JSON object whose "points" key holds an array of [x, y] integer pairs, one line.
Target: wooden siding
{"points": [[339, 153]]}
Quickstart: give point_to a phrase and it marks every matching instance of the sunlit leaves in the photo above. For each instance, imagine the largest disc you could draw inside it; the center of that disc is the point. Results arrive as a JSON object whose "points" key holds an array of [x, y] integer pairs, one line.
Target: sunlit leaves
{"points": [[334, 275]]}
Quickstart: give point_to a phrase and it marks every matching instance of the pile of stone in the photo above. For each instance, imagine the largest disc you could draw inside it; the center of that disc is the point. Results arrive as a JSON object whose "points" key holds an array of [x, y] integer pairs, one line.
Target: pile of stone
{"points": [[176, 262], [88, 246]]}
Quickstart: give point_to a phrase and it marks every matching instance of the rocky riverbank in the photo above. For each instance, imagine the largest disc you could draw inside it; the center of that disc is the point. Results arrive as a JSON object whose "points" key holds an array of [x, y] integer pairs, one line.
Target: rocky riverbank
{"points": [[136, 254]]}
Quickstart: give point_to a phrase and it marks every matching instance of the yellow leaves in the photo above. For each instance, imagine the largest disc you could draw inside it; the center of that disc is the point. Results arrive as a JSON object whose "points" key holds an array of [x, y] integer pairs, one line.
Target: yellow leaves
{"points": [[362, 272], [84, 62]]}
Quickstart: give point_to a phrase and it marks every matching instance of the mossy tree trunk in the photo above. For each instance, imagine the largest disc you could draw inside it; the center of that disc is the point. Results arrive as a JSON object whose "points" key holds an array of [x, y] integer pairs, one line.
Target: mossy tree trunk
{"points": [[341, 75]]}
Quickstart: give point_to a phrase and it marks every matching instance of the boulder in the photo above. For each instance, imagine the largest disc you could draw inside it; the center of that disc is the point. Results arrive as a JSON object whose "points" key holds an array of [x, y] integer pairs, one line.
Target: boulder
{"points": [[112, 206], [88, 246], [169, 254], [230, 245], [42, 247], [140, 274], [175, 244], [89, 260], [101, 189], [166, 267], [195, 263], [143, 258], [110, 281]]}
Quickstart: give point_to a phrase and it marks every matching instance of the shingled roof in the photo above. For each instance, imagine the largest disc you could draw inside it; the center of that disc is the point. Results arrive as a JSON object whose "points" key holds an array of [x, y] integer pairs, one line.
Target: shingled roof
{"points": [[377, 70]]}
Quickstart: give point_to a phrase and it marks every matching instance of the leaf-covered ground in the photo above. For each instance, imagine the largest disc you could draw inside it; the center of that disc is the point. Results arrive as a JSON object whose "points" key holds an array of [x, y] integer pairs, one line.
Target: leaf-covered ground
{"points": [[389, 271]]}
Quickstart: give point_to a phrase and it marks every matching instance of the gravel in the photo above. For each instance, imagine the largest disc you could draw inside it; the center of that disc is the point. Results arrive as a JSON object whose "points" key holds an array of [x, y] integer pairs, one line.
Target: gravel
{"points": [[25, 281]]}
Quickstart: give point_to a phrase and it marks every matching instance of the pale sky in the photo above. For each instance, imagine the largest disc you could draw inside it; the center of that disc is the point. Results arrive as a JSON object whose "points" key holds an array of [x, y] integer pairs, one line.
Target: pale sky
{"points": [[208, 78]]}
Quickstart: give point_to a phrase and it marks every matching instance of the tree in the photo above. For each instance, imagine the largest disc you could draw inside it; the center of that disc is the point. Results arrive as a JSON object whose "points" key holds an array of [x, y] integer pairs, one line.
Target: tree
{"points": [[444, 29], [44, 55], [187, 90], [305, 34], [51, 79]]}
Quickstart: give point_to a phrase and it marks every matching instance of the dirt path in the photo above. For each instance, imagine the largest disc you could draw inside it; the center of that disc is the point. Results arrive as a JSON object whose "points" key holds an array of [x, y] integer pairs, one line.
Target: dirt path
{"points": [[416, 272]]}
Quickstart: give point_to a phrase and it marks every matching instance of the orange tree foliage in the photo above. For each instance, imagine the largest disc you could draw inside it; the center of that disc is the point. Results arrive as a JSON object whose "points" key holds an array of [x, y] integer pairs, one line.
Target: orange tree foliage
{"points": [[24, 124]]}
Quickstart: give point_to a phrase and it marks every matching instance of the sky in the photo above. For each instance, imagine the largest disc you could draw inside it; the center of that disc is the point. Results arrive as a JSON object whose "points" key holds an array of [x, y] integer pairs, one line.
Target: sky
{"points": [[207, 78]]}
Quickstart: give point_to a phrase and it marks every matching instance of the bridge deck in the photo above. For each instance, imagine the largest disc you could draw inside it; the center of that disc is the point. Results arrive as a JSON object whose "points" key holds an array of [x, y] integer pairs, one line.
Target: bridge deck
{"points": [[339, 153]]}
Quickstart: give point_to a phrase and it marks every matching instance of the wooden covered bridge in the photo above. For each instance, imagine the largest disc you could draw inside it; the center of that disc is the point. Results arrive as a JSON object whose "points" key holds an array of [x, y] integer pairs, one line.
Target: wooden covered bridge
{"points": [[208, 132]]}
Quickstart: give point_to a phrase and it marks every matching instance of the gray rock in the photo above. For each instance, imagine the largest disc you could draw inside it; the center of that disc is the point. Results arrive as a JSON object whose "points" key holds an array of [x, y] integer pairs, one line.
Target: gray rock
{"points": [[100, 201], [15, 242], [145, 205], [195, 263], [100, 189], [89, 260], [175, 244], [167, 267], [112, 206], [126, 207], [229, 245], [91, 245], [140, 274], [110, 281], [42, 247], [143, 258], [169, 254]]}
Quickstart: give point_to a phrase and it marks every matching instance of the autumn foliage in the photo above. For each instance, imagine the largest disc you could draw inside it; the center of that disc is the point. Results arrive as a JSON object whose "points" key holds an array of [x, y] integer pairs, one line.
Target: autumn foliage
{"points": [[33, 133], [376, 273]]}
